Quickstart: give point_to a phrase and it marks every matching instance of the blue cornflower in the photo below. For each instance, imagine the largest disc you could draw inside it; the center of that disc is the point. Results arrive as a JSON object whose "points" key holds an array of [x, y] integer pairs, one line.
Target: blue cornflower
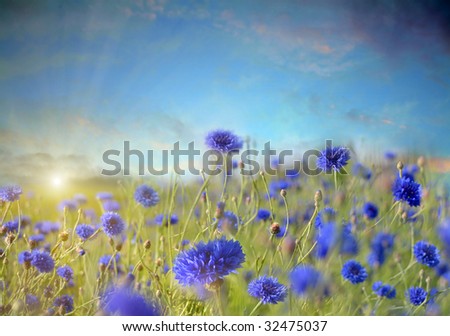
{"points": [[325, 237], [37, 238], [381, 246], [333, 158], [103, 196], [111, 205], [406, 190], [349, 244], [410, 171], [208, 262], [10, 193], [444, 235], [389, 155], [106, 260], [229, 222], [370, 210], [64, 303], [263, 214], [25, 257], [362, 171], [65, 272], [276, 186], [124, 301], [385, 290], [84, 231], [354, 272], [11, 226], [113, 224], [325, 215], [70, 205], [426, 254], [46, 227], [146, 195], [162, 220], [43, 261], [417, 295], [223, 141], [32, 302], [267, 290], [304, 278], [80, 199]]}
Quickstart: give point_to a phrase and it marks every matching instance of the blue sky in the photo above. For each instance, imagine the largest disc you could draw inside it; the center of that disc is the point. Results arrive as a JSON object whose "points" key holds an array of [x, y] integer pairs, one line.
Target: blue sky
{"points": [[80, 77]]}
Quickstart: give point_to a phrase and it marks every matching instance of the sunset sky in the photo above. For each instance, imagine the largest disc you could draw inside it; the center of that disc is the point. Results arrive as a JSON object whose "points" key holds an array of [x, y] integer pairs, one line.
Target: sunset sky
{"points": [[80, 77]]}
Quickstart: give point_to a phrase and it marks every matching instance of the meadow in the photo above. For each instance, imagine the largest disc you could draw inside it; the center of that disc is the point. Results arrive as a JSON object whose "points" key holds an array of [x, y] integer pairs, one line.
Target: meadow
{"points": [[375, 241]]}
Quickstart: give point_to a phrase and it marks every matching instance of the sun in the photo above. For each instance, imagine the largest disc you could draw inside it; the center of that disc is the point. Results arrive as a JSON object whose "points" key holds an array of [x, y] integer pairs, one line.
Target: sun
{"points": [[57, 181]]}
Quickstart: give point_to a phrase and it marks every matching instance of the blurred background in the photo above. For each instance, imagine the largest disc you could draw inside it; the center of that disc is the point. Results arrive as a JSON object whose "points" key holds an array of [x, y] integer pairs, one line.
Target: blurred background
{"points": [[80, 77]]}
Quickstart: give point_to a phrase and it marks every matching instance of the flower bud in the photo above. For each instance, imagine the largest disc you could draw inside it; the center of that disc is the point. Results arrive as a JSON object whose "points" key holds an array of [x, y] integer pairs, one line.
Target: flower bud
{"points": [[147, 244], [275, 228], [318, 196], [283, 193], [64, 236], [400, 165]]}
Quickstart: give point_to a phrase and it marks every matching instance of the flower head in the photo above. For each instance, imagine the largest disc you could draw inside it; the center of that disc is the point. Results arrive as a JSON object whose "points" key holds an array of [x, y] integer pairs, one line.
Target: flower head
{"points": [[124, 301], [70, 205], [406, 190], [84, 231], [37, 238], [111, 205], [370, 210], [384, 290], [426, 254], [65, 303], [223, 141], [229, 222], [113, 224], [11, 226], [103, 196], [381, 246], [354, 272], [65, 272], [348, 242], [146, 195], [43, 261], [304, 278], [263, 214], [325, 237], [106, 260], [417, 295], [25, 257], [46, 227], [208, 262], [444, 235], [32, 302], [10, 193], [267, 290], [333, 158], [324, 216], [361, 171]]}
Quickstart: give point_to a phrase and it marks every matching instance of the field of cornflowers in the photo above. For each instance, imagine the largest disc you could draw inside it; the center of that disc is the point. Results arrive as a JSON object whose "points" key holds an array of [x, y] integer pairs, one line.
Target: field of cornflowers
{"points": [[375, 241]]}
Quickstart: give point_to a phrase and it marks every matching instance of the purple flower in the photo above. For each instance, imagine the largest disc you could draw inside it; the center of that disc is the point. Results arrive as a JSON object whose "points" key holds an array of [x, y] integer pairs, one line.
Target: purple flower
{"points": [[267, 290], [146, 195], [65, 272], [208, 262], [113, 224], [10, 193], [223, 141]]}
